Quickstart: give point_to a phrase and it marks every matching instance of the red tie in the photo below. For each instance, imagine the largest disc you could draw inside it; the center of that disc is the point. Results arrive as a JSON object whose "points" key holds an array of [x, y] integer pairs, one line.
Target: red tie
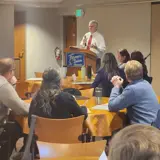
{"points": [[89, 42]]}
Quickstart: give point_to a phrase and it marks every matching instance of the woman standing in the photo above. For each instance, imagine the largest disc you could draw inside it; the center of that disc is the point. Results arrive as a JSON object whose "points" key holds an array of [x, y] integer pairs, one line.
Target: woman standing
{"points": [[123, 57], [138, 56], [109, 68]]}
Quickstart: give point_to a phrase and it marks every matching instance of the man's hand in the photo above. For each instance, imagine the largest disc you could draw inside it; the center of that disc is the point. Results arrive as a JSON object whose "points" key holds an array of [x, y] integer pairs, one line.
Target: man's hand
{"points": [[84, 40], [13, 80], [94, 46], [117, 81]]}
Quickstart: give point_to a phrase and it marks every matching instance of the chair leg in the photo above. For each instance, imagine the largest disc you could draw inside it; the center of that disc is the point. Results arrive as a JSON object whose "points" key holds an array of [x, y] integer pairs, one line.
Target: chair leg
{"points": [[88, 138], [93, 138]]}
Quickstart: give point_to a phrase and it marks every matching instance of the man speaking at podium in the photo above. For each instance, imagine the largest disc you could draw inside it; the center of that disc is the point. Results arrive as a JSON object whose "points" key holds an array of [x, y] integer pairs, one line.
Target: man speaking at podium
{"points": [[94, 41]]}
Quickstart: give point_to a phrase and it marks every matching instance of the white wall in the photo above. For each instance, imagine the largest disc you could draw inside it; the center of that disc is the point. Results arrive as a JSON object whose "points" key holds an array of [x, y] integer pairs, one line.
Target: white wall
{"points": [[123, 26], [6, 31], [42, 37]]}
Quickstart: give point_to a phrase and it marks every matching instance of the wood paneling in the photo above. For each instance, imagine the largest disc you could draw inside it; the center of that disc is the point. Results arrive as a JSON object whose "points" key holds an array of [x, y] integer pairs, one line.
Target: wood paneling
{"points": [[155, 47]]}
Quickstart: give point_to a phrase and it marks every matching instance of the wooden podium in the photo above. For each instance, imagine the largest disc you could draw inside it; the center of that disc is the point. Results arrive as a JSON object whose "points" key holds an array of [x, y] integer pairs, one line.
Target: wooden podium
{"points": [[75, 58]]}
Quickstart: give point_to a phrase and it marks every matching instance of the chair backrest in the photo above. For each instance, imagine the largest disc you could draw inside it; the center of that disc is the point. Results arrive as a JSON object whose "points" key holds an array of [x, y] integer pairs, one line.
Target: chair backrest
{"points": [[38, 74], [87, 92], [59, 130], [72, 91], [73, 158], [27, 155], [54, 150], [158, 97]]}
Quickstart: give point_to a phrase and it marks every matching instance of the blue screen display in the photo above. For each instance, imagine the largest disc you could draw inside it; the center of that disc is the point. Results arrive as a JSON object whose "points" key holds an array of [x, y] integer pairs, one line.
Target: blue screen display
{"points": [[75, 59]]}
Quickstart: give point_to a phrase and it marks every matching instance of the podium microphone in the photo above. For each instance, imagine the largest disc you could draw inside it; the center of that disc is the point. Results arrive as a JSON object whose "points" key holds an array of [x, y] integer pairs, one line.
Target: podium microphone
{"points": [[147, 56]]}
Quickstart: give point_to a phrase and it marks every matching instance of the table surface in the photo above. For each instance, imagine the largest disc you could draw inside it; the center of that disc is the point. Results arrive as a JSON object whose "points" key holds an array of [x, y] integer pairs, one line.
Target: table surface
{"points": [[35, 83], [99, 122]]}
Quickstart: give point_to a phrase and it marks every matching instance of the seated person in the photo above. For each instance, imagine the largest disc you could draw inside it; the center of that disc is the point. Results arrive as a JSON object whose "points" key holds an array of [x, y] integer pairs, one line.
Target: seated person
{"points": [[123, 57], [138, 56], [9, 99], [156, 123], [138, 97], [135, 142], [51, 102], [109, 68]]}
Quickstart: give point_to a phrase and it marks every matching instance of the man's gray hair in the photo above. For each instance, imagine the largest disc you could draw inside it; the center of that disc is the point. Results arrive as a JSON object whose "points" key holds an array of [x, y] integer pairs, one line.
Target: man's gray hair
{"points": [[94, 22], [133, 70]]}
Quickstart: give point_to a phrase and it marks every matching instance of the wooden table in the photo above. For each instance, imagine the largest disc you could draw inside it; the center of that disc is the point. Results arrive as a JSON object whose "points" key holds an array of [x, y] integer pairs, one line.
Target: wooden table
{"points": [[35, 83], [100, 123]]}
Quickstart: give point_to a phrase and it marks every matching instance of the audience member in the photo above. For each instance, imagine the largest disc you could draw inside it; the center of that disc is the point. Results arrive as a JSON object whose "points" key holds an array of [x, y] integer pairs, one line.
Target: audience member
{"points": [[109, 68], [9, 99], [138, 56], [138, 97], [157, 121], [123, 57], [135, 142], [51, 102]]}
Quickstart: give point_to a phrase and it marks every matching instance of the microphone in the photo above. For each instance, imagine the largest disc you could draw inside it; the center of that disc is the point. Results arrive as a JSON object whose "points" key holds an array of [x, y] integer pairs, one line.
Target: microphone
{"points": [[85, 39], [147, 56]]}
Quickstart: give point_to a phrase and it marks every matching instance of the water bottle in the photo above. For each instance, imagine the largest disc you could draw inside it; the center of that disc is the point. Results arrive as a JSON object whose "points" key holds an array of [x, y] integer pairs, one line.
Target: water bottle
{"points": [[98, 94], [63, 71], [89, 72], [83, 72]]}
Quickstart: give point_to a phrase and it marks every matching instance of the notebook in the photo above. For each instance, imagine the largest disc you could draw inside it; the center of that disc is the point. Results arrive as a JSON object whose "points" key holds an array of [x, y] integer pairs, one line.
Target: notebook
{"points": [[101, 107]]}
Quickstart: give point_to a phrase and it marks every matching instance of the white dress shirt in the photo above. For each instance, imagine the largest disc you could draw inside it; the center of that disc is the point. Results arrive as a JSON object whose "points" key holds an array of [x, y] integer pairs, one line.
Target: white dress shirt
{"points": [[97, 40]]}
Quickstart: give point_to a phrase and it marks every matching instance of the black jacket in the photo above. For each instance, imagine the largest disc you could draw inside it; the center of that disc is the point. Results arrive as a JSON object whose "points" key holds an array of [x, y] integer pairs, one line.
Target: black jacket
{"points": [[65, 106]]}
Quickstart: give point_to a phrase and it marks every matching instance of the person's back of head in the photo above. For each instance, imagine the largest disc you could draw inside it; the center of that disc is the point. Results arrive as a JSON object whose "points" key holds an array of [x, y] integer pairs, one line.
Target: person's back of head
{"points": [[50, 88], [147, 155], [7, 67], [135, 142], [110, 65], [51, 79], [138, 56], [124, 53], [133, 70]]}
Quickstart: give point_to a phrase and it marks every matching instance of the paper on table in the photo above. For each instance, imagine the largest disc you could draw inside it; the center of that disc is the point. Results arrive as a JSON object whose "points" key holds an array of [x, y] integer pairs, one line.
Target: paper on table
{"points": [[103, 156], [101, 107]]}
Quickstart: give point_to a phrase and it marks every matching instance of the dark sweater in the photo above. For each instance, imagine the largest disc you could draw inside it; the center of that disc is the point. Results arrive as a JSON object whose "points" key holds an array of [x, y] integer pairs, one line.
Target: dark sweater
{"points": [[103, 82], [65, 106]]}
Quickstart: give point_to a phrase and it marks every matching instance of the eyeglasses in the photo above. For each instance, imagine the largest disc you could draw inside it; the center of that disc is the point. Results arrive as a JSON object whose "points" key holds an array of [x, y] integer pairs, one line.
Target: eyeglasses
{"points": [[91, 26], [13, 69]]}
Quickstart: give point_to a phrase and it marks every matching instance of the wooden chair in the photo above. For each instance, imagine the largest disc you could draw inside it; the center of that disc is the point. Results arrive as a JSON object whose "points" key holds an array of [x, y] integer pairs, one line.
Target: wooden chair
{"points": [[87, 92], [38, 74], [55, 150], [30, 142], [98, 125], [22, 88], [59, 130], [73, 158], [158, 97]]}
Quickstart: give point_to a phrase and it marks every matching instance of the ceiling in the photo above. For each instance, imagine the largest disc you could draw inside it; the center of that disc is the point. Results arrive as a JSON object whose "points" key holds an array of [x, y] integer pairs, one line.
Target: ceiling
{"points": [[69, 3]]}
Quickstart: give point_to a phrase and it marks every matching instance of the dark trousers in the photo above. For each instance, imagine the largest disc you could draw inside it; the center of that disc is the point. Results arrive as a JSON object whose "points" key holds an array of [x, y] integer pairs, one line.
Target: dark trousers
{"points": [[98, 64], [11, 132]]}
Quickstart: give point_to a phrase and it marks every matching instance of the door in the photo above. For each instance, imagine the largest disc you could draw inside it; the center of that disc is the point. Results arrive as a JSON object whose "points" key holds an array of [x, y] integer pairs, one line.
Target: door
{"points": [[70, 31], [19, 45], [19, 53]]}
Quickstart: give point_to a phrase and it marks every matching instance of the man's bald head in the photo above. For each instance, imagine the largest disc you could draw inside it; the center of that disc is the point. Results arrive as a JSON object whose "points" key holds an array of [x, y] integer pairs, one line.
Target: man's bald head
{"points": [[6, 65]]}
